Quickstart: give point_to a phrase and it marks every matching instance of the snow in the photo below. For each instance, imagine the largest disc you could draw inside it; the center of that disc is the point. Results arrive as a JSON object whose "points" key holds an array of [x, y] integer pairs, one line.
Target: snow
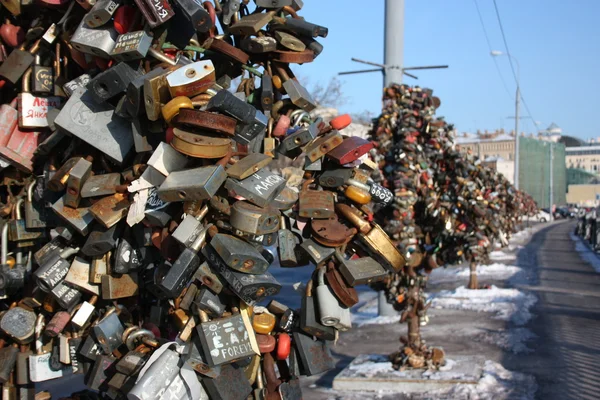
{"points": [[493, 271], [500, 255], [366, 312], [584, 251], [513, 340], [508, 304], [496, 383]]}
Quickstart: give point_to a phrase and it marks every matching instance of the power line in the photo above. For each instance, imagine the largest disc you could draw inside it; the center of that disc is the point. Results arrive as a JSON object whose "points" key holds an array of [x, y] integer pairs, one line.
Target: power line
{"points": [[511, 64], [487, 39]]}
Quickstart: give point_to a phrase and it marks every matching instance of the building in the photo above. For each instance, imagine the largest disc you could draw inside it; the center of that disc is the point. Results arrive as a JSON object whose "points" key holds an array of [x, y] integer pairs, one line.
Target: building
{"points": [[586, 158], [498, 149]]}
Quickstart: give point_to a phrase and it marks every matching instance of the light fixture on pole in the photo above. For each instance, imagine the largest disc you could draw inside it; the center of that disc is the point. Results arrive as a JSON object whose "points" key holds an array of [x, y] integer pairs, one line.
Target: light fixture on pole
{"points": [[496, 53]]}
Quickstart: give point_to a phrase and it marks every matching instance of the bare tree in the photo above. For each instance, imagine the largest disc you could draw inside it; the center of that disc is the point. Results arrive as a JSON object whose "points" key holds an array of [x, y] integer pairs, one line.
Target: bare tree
{"points": [[331, 95]]}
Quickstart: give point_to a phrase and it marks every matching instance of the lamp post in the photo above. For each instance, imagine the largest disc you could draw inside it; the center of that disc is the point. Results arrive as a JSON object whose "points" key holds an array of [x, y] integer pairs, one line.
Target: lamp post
{"points": [[496, 53]]}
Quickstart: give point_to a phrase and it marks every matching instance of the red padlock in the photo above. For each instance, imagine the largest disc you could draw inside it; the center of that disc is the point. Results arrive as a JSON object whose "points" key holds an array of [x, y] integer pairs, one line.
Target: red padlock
{"points": [[284, 346], [340, 122], [12, 35], [282, 126], [266, 343], [124, 19]]}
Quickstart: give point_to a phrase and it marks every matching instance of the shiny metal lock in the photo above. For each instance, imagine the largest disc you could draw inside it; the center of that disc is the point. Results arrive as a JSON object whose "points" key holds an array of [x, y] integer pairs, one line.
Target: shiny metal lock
{"points": [[316, 252], [98, 42], [80, 172], [188, 230], [96, 125], [251, 24], [255, 220], [80, 82], [315, 203], [131, 46], [252, 122], [165, 159], [19, 324], [286, 245], [192, 79], [260, 188], [209, 303], [227, 339], [79, 276], [17, 230], [39, 363], [298, 94], [331, 311], [112, 82], [33, 110], [65, 296], [80, 219], [54, 270], [180, 274], [250, 288], [309, 320], [360, 271], [156, 92], [109, 331], [323, 145], [258, 45], [36, 214], [101, 13], [248, 165], [84, 313], [192, 184], [302, 27], [238, 254]]}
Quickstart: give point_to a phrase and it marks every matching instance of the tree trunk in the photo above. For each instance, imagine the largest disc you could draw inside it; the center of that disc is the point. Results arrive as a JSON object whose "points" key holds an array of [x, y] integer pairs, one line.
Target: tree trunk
{"points": [[473, 284], [414, 327]]}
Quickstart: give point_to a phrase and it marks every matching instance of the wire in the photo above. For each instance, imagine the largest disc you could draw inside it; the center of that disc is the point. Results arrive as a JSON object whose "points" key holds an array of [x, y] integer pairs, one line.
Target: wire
{"points": [[512, 67], [487, 39]]}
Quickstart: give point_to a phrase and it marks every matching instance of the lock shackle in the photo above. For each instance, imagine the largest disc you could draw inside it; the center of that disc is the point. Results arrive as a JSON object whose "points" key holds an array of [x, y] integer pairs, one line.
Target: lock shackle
{"points": [[30, 190], [26, 81], [290, 11], [200, 240], [39, 328], [299, 117], [321, 275], [4, 251], [17, 209], [353, 215], [358, 184], [307, 183], [138, 335]]}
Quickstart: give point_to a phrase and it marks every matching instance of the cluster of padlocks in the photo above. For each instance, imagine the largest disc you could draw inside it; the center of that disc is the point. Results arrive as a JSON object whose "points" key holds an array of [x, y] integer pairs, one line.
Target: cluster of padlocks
{"points": [[140, 213], [448, 206]]}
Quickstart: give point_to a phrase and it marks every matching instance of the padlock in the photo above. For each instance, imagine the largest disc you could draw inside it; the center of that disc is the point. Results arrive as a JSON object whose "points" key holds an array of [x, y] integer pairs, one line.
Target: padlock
{"points": [[131, 46], [109, 134], [298, 93], [111, 209], [259, 45], [323, 145], [101, 13], [209, 303], [231, 383], [206, 277], [109, 331], [250, 288], [200, 146], [42, 78], [192, 184], [239, 255], [301, 27], [77, 177], [314, 355], [100, 185], [112, 82], [19, 324], [100, 241], [331, 312], [195, 13], [156, 12], [227, 339], [286, 245], [317, 204], [78, 276], [263, 323], [260, 188], [254, 220], [189, 229], [248, 165], [331, 232], [65, 296], [98, 42], [183, 268], [99, 373], [126, 285], [84, 313], [192, 79], [39, 363], [18, 231], [351, 149], [251, 24], [309, 321], [251, 121], [18, 62]]}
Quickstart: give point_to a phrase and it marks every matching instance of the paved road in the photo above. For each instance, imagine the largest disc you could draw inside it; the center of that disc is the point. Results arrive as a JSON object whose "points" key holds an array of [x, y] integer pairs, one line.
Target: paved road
{"points": [[566, 361]]}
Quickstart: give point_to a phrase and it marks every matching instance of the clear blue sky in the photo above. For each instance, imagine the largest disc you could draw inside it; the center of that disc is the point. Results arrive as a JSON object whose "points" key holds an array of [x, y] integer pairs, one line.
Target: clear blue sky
{"points": [[557, 43]]}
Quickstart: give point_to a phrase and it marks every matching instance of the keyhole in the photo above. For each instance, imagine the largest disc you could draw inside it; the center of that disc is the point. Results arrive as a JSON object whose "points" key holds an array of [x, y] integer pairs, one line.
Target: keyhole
{"points": [[190, 73]]}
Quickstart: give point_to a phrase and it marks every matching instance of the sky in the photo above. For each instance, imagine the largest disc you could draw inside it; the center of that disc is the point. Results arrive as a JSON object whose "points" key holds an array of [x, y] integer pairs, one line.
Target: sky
{"points": [[556, 43]]}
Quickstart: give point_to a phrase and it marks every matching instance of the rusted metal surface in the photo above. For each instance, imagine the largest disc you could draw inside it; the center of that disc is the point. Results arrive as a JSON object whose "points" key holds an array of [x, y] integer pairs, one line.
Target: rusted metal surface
{"points": [[204, 120]]}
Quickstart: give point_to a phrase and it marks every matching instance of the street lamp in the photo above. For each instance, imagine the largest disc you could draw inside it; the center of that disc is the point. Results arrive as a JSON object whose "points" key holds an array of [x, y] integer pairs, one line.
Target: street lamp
{"points": [[497, 53]]}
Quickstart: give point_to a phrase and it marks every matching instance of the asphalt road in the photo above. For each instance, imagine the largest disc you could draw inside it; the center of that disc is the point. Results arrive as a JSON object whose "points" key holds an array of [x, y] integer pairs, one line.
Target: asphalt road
{"points": [[567, 351]]}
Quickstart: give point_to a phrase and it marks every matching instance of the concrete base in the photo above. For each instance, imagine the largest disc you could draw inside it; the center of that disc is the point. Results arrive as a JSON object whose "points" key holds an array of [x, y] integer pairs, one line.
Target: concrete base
{"points": [[374, 373]]}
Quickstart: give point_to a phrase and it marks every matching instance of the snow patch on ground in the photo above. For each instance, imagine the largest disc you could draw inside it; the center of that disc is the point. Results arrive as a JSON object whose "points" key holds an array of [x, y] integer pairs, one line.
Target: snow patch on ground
{"points": [[508, 304], [513, 340], [496, 383], [366, 313], [584, 251], [493, 271], [500, 255]]}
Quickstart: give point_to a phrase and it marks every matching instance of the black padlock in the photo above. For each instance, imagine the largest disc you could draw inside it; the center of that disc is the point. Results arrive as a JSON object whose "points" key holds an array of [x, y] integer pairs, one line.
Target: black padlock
{"points": [[101, 241], [195, 13], [112, 82]]}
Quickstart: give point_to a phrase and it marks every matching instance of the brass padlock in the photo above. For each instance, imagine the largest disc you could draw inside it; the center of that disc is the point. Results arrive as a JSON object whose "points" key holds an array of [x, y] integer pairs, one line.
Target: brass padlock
{"points": [[317, 204]]}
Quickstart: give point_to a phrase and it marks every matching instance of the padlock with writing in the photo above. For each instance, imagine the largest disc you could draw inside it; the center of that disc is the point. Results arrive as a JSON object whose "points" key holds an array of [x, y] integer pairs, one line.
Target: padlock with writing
{"points": [[131, 46], [101, 13], [95, 41], [39, 363], [260, 188], [42, 78]]}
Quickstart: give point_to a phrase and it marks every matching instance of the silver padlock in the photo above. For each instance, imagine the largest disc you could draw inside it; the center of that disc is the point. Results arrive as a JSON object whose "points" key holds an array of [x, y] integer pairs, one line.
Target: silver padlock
{"points": [[97, 42], [101, 13], [109, 331], [131, 46], [331, 312], [255, 220], [192, 79], [239, 255], [189, 229], [192, 184], [39, 363], [84, 313], [153, 382], [19, 324], [166, 159], [260, 188], [361, 271]]}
